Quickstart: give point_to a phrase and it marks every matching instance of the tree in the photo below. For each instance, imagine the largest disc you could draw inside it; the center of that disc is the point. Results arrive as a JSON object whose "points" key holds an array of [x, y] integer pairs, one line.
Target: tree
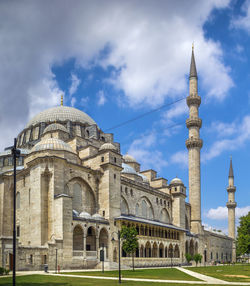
{"points": [[197, 258], [130, 241], [243, 237], [188, 257]]}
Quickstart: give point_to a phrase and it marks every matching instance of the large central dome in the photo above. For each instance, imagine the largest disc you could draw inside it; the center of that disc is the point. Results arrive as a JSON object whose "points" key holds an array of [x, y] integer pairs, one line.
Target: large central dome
{"points": [[62, 114]]}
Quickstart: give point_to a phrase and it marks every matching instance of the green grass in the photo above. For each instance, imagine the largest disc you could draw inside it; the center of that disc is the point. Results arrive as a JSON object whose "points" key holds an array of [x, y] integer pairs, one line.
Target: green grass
{"points": [[160, 273], [231, 273], [39, 280]]}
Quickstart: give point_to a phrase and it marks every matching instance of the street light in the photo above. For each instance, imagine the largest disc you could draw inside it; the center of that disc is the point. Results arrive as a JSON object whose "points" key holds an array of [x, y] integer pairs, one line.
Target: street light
{"points": [[56, 261], [16, 154], [119, 252]]}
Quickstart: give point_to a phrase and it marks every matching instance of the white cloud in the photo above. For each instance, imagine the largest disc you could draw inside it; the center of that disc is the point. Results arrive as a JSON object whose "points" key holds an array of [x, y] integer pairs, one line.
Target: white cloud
{"points": [[150, 61], [241, 136], [221, 213], [243, 22], [101, 97], [223, 129], [73, 101], [75, 81], [143, 150], [180, 158]]}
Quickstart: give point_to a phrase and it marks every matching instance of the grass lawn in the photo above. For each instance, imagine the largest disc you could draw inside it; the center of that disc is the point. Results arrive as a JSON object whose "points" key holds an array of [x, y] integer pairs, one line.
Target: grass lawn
{"points": [[234, 273], [48, 280], [160, 273]]}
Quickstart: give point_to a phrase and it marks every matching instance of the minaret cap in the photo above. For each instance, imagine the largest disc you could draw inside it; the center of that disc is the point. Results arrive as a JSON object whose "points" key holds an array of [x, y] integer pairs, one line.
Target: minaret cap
{"points": [[193, 72], [62, 100], [231, 172]]}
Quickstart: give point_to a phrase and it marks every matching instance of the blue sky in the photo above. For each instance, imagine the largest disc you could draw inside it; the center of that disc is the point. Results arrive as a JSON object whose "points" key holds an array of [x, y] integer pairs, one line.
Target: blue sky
{"points": [[116, 60]]}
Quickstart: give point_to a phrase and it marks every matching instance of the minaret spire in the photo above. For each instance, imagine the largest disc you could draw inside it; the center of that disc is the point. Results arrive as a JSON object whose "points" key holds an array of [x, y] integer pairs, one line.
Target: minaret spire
{"points": [[193, 72], [194, 144], [231, 172], [231, 205]]}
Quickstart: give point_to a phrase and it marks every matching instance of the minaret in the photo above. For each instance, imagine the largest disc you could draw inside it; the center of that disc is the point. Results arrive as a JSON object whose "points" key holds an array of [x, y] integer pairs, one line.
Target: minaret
{"points": [[231, 204], [194, 145]]}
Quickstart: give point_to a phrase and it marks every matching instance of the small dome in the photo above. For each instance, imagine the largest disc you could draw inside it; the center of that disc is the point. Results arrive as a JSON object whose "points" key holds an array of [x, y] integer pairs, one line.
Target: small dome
{"points": [[75, 213], [97, 216], [85, 215], [128, 169], [52, 144], [55, 127], [176, 181], [8, 152], [108, 146], [129, 159]]}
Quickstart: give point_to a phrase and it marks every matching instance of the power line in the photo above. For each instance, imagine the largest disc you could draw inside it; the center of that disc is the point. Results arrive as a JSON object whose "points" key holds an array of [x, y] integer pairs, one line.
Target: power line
{"points": [[145, 114]]}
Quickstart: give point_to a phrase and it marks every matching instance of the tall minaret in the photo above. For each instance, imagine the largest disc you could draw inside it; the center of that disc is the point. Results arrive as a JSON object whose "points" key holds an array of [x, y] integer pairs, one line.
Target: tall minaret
{"points": [[231, 204], [194, 145]]}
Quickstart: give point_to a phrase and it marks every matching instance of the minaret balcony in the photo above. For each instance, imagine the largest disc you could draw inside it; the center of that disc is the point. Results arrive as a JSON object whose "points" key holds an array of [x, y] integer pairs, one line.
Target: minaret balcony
{"points": [[231, 189], [231, 205], [193, 99], [194, 142], [193, 122]]}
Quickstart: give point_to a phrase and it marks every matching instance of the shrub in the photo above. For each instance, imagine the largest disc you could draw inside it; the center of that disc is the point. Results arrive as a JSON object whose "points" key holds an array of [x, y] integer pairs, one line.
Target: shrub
{"points": [[197, 258], [188, 257], [6, 271], [1, 271]]}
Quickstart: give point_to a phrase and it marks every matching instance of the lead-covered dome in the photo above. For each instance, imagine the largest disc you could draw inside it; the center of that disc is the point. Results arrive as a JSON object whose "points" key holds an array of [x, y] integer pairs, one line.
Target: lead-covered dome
{"points": [[108, 146], [129, 159], [176, 181], [52, 144], [61, 114]]}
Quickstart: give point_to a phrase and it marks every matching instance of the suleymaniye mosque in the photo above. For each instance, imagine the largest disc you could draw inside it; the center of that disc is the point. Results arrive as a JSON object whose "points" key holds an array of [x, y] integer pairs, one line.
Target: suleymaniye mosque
{"points": [[75, 190]]}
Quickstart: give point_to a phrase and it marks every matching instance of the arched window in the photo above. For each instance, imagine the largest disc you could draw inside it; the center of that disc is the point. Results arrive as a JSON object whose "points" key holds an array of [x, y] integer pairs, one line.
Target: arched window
{"points": [[91, 239], [150, 213], [144, 208], [18, 200], [165, 216], [77, 198], [137, 212], [124, 207], [176, 251]]}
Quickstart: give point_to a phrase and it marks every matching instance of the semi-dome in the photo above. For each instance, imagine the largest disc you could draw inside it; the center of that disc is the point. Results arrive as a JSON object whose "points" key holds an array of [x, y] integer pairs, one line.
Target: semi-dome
{"points": [[54, 127], [129, 159], [63, 114], [84, 215], [176, 181], [144, 178], [128, 169], [97, 216], [52, 144], [108, 146]]}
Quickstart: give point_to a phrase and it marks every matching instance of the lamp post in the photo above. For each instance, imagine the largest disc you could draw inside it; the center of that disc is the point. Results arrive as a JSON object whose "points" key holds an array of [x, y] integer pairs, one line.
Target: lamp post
{"points": [[119, 253], [16, 154], [56, 261], [171, 256]]}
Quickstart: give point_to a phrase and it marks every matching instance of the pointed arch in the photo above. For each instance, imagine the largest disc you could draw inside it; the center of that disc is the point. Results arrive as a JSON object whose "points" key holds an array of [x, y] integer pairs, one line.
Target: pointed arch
{"points": [[165, 216], [124, 206], [176, 251], [146, 208], [78, 238]]}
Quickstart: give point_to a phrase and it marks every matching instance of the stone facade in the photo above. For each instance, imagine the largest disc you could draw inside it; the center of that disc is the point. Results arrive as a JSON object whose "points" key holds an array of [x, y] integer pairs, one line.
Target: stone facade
{"points": [[75, 190]]}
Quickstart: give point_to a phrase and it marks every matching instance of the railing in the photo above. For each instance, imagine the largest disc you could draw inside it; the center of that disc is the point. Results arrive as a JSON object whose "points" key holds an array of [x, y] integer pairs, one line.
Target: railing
{"points": [[91, 253], [77, 253]]}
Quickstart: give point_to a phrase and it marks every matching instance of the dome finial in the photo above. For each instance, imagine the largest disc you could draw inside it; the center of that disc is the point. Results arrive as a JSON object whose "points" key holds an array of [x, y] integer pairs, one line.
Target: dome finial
{"points": [[62, 100], [192, 46]]}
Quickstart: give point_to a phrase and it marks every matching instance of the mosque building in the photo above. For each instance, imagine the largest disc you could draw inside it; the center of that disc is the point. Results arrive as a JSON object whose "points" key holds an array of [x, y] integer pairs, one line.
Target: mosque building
{"points": [[75, 190]]}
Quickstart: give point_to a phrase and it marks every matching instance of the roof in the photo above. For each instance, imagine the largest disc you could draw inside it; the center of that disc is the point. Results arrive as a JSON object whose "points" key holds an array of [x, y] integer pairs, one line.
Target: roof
{"points": [[144, 220], [9, 152], [128, 169], [62, 114]]}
